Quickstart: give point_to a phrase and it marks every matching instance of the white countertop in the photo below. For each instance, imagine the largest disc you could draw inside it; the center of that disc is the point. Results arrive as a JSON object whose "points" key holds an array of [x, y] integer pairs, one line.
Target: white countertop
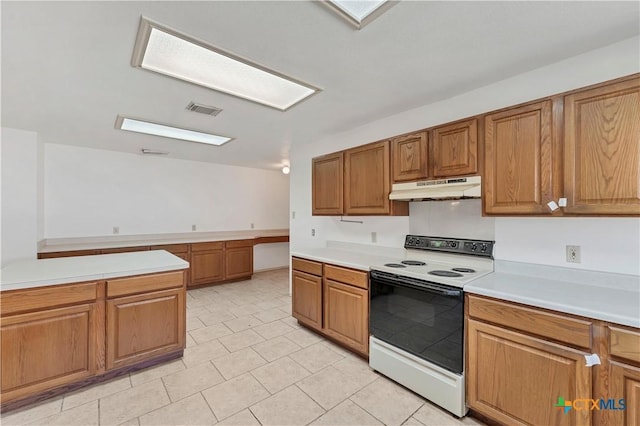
{"points": [[344, 257], [64, 270], [598, 295], [114, 241], [593, 294]]}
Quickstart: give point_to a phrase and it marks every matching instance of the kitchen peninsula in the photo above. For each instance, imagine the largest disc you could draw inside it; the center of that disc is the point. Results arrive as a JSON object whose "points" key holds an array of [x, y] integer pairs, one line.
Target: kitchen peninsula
{"points": [[69, 322]]}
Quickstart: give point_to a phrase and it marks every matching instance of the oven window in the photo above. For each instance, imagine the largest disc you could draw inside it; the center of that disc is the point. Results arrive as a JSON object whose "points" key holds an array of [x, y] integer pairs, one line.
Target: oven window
{"points": [[426, 324]]}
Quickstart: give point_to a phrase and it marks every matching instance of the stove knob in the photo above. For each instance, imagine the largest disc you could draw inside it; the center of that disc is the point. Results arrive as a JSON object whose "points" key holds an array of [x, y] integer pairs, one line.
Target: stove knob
{"points": [[453, 244], [484, 248], [474, 246]]}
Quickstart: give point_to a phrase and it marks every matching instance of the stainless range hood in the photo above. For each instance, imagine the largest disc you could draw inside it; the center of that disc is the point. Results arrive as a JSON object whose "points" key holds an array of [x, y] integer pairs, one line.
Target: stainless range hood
{"points": [[439, 189]]}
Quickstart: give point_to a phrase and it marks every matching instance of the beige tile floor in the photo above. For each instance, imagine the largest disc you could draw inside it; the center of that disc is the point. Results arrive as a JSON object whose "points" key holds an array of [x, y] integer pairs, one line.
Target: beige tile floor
{"points": [[247, 362]]}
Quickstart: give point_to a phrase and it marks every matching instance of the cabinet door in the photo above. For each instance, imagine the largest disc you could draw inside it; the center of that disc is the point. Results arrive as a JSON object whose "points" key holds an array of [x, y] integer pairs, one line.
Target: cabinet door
{"points": [[367, 179], [454, 149], [238, 262], [624, 383], [409, 155], [47, 349], [518, 172], [207, 266], [602, 149], [307, 299], [346, 315], [144, 326], [327, 184], [518, 380]]}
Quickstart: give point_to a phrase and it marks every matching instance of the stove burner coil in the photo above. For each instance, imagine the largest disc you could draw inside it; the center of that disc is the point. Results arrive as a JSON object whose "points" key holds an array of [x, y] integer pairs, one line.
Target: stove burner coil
{"points": [[464, 270], [413, 263], [445, 274], [394, 265]]}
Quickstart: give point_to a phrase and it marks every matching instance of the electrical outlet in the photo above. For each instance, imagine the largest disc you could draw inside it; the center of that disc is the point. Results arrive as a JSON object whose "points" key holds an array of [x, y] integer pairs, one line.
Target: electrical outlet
{"points": [[116, 230], [313, 232], [573, 254], [252, 225], [193, 227], [374, 237], [293, 215]]}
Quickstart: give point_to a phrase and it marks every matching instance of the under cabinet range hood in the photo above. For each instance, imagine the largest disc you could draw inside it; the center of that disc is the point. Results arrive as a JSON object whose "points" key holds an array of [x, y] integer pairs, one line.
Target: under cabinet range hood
{"points": [[438, 189]]}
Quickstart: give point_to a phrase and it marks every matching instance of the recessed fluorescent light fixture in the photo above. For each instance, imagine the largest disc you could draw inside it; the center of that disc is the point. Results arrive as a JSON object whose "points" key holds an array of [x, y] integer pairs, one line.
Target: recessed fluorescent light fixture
{"points": [[140, 126], [169, 52], [360, 12]]}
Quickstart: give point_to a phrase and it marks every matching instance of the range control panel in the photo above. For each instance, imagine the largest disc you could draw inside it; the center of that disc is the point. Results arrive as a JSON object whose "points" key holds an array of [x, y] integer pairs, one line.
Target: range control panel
{"points": [[450, 245]]}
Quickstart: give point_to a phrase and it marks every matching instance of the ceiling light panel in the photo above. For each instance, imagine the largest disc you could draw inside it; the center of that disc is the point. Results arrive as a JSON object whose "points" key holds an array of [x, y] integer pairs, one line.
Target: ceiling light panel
{"points": [[149, 128], [171, 53], [359, 12]]}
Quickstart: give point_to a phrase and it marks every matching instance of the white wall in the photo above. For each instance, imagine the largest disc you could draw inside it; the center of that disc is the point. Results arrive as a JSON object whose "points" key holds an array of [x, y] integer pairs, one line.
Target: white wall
{"points": [[603, 64], [19, 233], [90, 191]]}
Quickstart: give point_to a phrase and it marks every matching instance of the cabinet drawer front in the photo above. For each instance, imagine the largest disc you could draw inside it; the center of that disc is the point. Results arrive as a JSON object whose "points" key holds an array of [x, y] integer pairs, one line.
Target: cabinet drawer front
{"points": [[123, 250], [144, 283], [43, 350], [348, 276], [55, 254], [172, 248], [624, 343], [308, 266], [46, 297], [216, 245], [238, 243], [557, 327]]}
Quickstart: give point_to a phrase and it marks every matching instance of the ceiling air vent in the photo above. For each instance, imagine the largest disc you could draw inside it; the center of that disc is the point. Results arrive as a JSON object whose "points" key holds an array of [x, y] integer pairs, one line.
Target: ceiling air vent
{"points": [[203, 109]]}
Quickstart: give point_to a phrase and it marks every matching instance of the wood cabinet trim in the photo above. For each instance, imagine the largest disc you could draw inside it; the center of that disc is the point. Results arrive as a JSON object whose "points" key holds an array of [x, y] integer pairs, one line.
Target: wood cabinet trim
{"points": [[348, 276], [308, 266], [144, 283], [27, 300], [547, 324]]}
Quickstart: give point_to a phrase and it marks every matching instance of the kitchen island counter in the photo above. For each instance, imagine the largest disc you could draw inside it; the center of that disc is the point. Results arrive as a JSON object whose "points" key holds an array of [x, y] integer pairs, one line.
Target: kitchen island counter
{"points": [[45, 272]]}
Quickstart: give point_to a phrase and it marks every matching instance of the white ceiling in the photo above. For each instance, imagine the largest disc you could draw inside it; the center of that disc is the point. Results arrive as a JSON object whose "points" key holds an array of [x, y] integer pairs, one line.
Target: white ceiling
{"points": [[66, 69]]}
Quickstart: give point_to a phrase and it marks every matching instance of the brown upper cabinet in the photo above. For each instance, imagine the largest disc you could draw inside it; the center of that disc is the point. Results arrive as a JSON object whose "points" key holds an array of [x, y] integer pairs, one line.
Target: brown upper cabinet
{"points": [[367, 182], [602, 149], [518, 173], [454, 149], [355, 182], [409, 154], [328, 184]]}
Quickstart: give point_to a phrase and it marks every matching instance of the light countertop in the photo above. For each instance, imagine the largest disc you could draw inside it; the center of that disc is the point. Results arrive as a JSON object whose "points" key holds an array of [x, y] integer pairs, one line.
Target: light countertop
{"points": [[345, 257], [598, 295], [64, 270], [114, 241]]}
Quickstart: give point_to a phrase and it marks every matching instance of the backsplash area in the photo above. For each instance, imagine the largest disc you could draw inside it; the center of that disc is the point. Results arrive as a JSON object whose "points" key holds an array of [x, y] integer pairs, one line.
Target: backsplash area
{"points": [[456, 218]]}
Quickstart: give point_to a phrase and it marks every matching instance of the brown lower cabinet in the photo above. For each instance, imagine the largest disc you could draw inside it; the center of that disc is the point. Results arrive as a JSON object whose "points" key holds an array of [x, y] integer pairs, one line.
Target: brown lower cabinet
{"points": [[524, 363], [212, 262], [57, 338], [332, 300]]}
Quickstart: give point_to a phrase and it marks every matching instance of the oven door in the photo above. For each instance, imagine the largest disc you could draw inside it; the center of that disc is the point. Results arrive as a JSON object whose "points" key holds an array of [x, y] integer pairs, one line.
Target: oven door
{"points": [[420, 317]]}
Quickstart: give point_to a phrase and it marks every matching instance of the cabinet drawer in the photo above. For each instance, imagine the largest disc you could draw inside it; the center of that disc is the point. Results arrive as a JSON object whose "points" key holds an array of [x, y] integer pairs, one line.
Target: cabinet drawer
{"points": [[144, 283], [558, 327], [123, 250], [216, 245], [348, 276], [624, 343], [238, 243], [308, 266], [46, 297]]}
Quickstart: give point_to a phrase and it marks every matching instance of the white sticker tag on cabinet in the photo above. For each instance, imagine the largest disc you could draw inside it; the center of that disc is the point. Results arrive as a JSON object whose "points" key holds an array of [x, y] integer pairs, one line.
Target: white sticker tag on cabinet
{"points": [[552, 205], [592, 360]]}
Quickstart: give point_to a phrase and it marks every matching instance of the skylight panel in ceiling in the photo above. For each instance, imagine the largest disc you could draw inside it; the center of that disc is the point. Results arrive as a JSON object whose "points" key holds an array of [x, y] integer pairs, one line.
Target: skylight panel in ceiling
{"points": [[155, 129], [171, 53], [359, 12]]}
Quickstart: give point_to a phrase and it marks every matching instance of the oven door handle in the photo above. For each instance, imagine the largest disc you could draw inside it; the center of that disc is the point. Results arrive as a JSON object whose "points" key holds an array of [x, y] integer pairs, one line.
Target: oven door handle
{"points": [[413, 283]]}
